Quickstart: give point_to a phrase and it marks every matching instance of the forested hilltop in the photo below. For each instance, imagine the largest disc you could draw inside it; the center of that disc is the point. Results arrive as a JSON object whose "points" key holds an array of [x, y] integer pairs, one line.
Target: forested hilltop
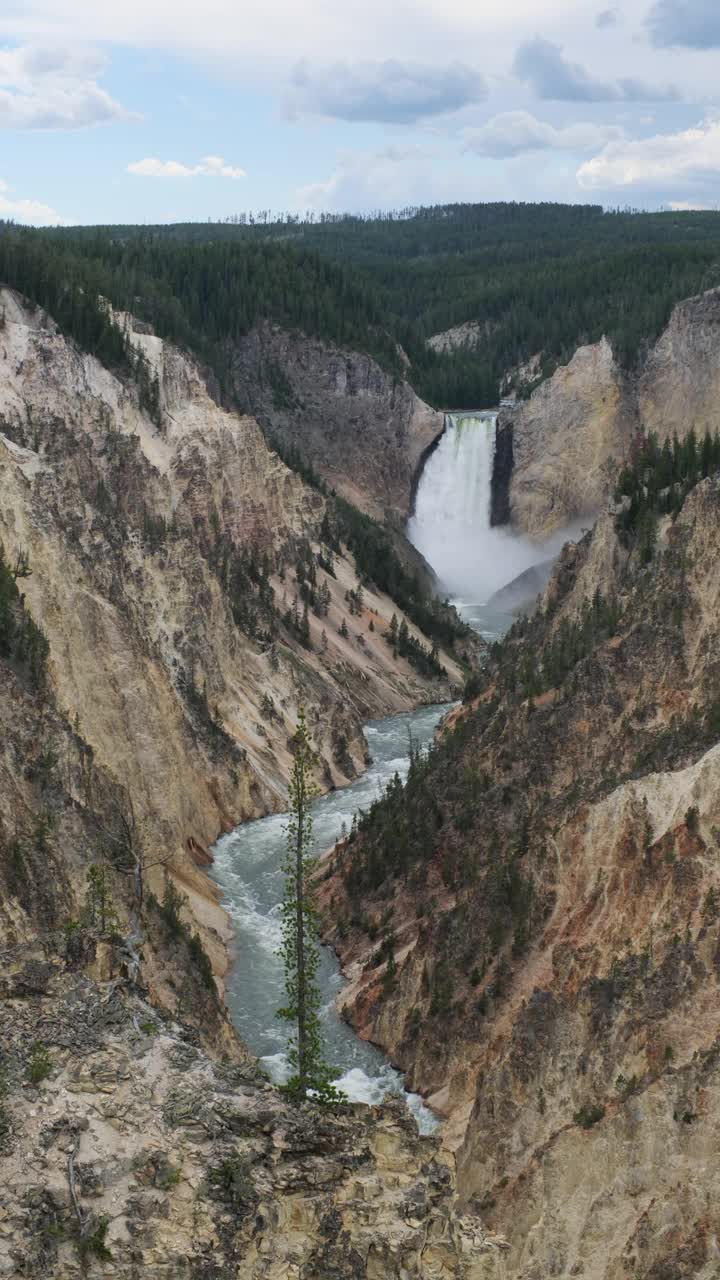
{"points": [[536, 278]]}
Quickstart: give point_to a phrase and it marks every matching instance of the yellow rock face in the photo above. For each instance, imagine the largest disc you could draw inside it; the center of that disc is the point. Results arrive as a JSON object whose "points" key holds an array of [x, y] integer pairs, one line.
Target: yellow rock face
{"points": [[83, 473]]}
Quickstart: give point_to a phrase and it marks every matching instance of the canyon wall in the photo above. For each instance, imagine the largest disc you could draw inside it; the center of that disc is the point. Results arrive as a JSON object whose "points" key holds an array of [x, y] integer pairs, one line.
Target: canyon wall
{"points": [[137, 1137], [363, 430], [152, 664], [574, 431], [532, 929], [160, 654]]}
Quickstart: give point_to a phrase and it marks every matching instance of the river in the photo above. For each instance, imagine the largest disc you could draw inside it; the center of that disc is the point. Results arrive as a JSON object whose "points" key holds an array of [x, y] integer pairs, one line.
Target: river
{"points": [[248, 867], [451, 526]]}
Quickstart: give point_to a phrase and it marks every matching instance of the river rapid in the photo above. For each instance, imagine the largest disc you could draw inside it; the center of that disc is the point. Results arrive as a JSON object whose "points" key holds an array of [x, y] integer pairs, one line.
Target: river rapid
{"points": [[248, 868]]}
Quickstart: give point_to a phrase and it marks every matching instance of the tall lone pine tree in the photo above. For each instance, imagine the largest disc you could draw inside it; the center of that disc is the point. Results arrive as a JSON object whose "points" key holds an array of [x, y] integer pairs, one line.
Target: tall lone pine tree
{"points": [[300, 949]]}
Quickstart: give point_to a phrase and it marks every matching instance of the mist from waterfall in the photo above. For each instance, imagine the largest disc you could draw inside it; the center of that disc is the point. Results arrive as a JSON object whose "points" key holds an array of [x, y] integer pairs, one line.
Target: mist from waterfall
{"points": [[451, 524]]}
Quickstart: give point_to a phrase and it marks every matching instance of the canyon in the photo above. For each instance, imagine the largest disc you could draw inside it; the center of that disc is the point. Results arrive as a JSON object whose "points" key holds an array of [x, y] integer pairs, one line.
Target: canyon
{"points": [[529, 928], [156, 658]]}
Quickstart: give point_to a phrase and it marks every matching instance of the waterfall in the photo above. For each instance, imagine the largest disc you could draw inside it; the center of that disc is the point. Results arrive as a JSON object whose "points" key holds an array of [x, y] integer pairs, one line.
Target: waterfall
{"points": [[451, 524]]}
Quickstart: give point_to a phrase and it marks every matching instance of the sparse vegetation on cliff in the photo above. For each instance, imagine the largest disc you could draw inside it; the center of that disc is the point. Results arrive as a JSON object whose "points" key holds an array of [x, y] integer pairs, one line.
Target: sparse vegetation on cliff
{"points": [[22, 641], [656, 482]]}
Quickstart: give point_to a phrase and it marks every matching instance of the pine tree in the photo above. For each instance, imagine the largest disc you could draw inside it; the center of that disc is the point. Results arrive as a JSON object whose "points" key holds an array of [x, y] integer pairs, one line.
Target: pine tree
{"points": [[300, 949]]}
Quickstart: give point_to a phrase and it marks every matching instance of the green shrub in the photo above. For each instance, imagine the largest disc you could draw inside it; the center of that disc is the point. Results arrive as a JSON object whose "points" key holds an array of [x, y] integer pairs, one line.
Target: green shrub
{"points": [[589, 1115], [231, 1182], [90, 1244], [692, 819], [40, 1065]]}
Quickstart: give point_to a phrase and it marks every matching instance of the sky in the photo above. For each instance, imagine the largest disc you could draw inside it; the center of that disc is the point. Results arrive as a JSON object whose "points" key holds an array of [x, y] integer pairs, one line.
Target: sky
{"points": [[174, 110]]}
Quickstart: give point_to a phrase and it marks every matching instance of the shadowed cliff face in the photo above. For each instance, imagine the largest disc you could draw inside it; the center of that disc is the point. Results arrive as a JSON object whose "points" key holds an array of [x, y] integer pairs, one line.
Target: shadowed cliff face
{"points": [[503, 464], [547, 887], [576, 428], [363, 430]]}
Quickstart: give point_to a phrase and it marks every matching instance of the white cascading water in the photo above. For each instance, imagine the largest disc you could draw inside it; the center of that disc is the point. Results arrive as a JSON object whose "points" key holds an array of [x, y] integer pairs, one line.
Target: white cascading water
{"points": [[451, 524]]}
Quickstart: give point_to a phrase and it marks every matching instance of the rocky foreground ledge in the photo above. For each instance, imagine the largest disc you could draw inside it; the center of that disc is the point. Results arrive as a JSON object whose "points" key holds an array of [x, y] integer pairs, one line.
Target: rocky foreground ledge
{"points": [[126, 1151]]}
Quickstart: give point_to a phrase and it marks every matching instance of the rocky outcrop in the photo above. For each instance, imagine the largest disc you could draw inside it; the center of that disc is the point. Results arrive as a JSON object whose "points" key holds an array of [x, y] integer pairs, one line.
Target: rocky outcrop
{"points": [[363, 430], [576, 428], [470, 334], [503, 465], [567, 440], [524, 590], [126, 1151], [541, 952]]}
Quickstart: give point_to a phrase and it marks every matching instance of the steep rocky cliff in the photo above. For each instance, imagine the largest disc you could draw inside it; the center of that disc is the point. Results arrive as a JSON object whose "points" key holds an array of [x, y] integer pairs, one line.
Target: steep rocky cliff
{"points": [[125, 1151], [364, 431], [163, 560], [153, 656], [567, 435], [532, 926], [137, 1137]]}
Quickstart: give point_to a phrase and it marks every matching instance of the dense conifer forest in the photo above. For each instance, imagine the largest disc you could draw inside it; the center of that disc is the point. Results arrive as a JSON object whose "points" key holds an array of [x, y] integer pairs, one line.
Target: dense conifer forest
{"points": [[537, 278]]}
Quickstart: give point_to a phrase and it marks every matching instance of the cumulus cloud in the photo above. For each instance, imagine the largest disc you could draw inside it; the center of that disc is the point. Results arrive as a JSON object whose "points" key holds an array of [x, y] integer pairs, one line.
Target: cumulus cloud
{"points": [[686, 206], [666, 160], [513, 132], [28, 211], [391, 92], [541, 64], [208, 167], [692, 23], [607, 18], [54, 88]]}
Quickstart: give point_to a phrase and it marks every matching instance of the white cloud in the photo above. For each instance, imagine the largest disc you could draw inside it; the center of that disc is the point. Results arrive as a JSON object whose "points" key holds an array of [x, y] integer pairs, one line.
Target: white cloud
{"points": [[392, 92], [284, 29], [514, 132], [684, 158], [54, 88], [686, 206], [208, 167], [391, 178], [28, 211]]}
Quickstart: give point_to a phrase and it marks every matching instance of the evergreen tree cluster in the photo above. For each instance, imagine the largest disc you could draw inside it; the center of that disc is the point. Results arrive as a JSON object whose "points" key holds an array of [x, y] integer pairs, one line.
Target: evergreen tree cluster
{"points": [[72, 287], [573, 641], [397, 832], [377, 563], [404, 644], [656, 482], [537, 278], [22, 641]]}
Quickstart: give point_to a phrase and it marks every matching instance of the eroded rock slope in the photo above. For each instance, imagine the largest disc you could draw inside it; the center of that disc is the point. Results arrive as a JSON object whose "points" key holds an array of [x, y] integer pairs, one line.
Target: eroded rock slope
{"points": [[569, 437], [362, 429], [163, 556], [152, 661], [532, 927]]}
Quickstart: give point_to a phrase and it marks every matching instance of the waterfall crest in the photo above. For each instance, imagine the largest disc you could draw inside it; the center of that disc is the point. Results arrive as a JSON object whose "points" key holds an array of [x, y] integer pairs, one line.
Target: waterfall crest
{"points": [[451, 525]]}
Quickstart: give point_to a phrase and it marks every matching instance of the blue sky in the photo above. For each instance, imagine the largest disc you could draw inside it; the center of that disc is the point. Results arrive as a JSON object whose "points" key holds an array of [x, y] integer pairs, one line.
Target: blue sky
{"points": [[163, 110]]}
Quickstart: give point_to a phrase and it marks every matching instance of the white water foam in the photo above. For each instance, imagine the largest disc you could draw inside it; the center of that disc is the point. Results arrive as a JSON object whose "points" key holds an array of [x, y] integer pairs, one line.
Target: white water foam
{"points": [[451, 525], [357, 1086]]}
